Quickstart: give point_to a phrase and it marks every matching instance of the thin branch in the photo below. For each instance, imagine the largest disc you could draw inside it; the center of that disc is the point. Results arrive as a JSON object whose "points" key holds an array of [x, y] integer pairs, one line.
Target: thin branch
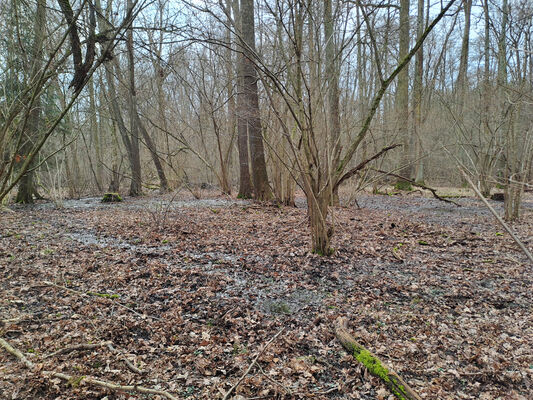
{"points": [[77, 347], [361, 165], [84, 379], [420, 185], [500, 220], [226, 396]]}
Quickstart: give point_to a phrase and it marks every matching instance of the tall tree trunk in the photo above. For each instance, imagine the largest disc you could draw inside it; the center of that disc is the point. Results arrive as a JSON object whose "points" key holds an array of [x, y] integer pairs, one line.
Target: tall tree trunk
{"points": [[332, 78], [402, 94], [136, 180], [27, 189], [261, 186], [418, 91], [163, 183], [95, 137], [462, 84], [113, 97], [245, 180]]}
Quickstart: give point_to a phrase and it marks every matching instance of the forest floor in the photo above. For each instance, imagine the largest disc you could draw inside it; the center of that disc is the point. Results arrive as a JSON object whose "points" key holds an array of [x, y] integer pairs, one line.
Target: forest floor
{"points": [[191, 290]]}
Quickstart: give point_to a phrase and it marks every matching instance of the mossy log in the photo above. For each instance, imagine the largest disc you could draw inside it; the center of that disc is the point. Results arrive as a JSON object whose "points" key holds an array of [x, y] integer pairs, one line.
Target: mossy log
{"points": [[111, 198], [373, 364]]}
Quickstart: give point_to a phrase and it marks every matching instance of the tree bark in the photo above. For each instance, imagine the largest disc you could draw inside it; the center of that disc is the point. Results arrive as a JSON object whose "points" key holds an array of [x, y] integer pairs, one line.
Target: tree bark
{"points": [[27, 189], [245, 180], [462, 83], [402, 93], [136, 179], [418, 90], [332, 79], [261, 186]]}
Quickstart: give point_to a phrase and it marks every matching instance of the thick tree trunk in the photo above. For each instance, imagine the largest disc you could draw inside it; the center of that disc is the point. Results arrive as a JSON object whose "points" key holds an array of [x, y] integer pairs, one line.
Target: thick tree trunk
{"points": [[321, 233], [245, 180], [261, 186], [136, 179], [27, 189], [402, 94]]}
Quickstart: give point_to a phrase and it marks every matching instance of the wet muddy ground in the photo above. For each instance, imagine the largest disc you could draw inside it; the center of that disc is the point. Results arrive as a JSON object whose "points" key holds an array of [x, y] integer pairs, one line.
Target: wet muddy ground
{"points": [[190, 290]]}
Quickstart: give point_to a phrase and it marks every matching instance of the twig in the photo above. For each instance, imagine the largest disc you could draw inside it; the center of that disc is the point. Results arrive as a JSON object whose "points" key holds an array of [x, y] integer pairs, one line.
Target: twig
{"points": [[252, 364], [90, 346], [362, 164], [420, 185], [70, 349], [500, 220], [84, 379], [84, 294], [287, 390], [128, 363]]}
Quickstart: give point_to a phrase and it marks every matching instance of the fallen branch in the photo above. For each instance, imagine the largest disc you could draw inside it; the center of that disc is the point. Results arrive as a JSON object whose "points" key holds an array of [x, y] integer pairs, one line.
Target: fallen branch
{"points": [[420, 185], [83, 379], [90, 346], [498, 218], [251, 365], [373, 364], [77, 347], [128, 363]]}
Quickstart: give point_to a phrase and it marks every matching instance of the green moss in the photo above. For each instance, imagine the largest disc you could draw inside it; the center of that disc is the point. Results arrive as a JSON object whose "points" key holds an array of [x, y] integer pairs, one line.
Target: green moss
{"points": [[403, 185], [111, 198], [75, 381], [375, 367], [372, 364]]}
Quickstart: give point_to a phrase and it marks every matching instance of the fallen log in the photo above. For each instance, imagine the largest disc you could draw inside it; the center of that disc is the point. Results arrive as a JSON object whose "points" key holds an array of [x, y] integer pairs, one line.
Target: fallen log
{"points": [[373, 364]]}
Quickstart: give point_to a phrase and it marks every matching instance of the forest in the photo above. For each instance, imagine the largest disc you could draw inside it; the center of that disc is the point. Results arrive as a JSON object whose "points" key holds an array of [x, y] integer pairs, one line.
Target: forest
{"points": [[266, 199]]}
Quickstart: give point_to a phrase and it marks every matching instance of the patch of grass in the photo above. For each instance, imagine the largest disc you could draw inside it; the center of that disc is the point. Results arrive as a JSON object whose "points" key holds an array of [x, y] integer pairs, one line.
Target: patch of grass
{"points": [[239, 349], [279, 308]]}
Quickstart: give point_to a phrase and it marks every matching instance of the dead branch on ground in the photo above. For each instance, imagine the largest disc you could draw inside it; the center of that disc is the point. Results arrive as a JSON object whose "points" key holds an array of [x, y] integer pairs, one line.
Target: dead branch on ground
{"points": [[83, 379], [373, 364], [226, 396], [91, 346], [420, 185]]}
